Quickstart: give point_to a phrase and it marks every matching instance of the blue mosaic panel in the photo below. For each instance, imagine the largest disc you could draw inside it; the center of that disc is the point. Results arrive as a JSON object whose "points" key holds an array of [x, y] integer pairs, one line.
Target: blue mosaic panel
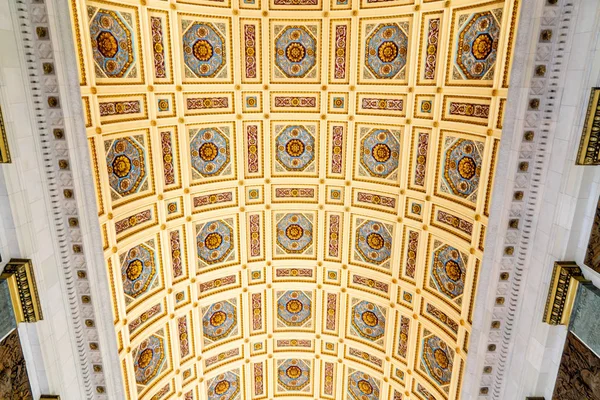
{"points": [[219, 320], [380, 153], [210, 151], [294, 308], [224, 386], [386, 50], [112, 36], [368, 320], [295, 51], [149, 359], [204, 51], [294, 374], [362, 386], [477, 46], [374, 242], [437, 359], [461, 166], [294, 233], [126, 165], [448, 270], [295, 148], [214, 242], [139, 269]]}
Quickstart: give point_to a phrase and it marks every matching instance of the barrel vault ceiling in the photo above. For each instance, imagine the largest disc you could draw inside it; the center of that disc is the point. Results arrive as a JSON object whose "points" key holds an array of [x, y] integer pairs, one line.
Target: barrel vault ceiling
{"points": [[293, 194]]}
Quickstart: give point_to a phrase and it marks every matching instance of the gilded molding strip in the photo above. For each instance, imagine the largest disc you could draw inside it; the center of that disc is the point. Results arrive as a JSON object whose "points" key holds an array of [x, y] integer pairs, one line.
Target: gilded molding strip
{"points": [[566, 278], [589, 147], [23, 290], [4, 151]]}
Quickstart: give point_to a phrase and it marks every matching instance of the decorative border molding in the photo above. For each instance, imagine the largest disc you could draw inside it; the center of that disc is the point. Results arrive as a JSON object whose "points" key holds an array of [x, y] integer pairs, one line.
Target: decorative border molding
{"points": [[589, 148], [42, 49], [566, 277], [532, 112], [4, 150], [23, 290]]}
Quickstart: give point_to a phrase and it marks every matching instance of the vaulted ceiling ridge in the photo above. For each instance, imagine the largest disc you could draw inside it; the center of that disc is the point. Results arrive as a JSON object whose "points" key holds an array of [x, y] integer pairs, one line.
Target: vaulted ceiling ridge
{"points": [[293, 195]]}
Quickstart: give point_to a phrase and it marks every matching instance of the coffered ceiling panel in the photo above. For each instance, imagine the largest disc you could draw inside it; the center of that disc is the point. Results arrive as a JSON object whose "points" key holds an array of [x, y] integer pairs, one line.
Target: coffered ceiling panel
{"points": [[293, 194]]}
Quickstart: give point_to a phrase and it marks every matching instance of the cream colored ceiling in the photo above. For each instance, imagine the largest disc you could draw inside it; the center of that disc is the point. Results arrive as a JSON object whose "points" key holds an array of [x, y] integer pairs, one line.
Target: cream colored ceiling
{"points": [[293, 194]]}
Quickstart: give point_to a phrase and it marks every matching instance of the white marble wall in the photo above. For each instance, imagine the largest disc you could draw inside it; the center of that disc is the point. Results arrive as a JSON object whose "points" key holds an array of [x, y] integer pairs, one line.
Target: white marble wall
{"points": [[569, 200], [26, 229]]}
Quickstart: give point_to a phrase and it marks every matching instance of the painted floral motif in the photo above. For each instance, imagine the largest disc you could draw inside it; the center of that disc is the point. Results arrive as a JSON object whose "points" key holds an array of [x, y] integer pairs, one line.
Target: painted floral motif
{"points": [[204, 51], [149, 358], [113, 50], [295, 51], [437, 359], [294, 308], [432, 48], [224, 386], [449, 270], [126, 165], [380, 152], [368, 320], [362, 386], [220, 320], [138, 270], [294, 233], [386, 50], [209, 149], [374, 242], [477, 46], [295, 148], [461, 167], [214, 241], [158, 49], [294, 374]]}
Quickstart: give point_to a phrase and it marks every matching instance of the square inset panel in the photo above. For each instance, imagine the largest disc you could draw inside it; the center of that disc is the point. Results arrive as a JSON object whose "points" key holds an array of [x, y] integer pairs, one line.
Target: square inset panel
{"points": [[446, 272], [474, 55], [436, 359], [424, 106], [294, 377], [128, 166], [338, 103], [361, 385], [414, 209], [252, 102], [295, 51], [226, 385], [114, 33], [220, 321], [372, 243], [207, 52], [295, 148], [150, 359], [165, 105], [335, 195], [384, 55], [254, 195], [141, 271], [367, 322], [378, 150], [295, 235], [341, 4], [211, 151], [460, 170], [216, 243], [294, 310]]}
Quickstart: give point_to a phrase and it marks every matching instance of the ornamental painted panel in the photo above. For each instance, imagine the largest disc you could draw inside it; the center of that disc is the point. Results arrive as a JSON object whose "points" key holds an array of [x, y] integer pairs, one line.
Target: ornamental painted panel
{"points": [[459, 173], [255, 236], [128, 166], [114, 34], [206, 49], [253, 149], [294, 310], [367, 322], [333, 240], [150, 359], [295, 51], [295, 235], [295, 102], [393, 105], [171, 169], [378, 152], [436, 359], [196, 103], [122, 108], [447, 272], [220, 322], [225, 386], [161, 46], [362, 386], [339, 59], [212, 156], [337, 138], [251, 48], [372, 243], [429, 48], [216, 243], [295, 376], [178, 253], [141, 270], [471, 110], [473, 56], [295, 148], [384, 57], [419, 155], [328, 387]]}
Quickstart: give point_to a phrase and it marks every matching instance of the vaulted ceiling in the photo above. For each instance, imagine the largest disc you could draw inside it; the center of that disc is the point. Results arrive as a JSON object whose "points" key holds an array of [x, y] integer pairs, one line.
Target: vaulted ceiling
{"points": [[293, 194]]}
